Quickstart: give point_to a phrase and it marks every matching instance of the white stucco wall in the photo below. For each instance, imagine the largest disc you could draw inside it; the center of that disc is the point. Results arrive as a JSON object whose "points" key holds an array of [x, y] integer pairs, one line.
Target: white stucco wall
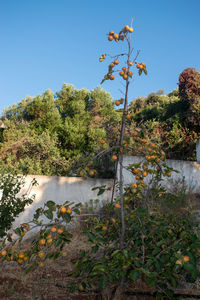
{"points": [[190, 170], [60, 189], [76, 189]]}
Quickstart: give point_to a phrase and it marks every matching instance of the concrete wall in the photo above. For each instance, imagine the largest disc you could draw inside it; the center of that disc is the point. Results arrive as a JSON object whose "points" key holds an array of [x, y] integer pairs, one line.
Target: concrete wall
{"points": [[60, 189], [190, 170], [76, 189]]}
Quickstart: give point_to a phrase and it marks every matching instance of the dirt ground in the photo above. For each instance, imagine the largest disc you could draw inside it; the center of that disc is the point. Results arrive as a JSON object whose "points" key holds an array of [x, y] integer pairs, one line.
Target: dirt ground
{"points": [[49, 282]]}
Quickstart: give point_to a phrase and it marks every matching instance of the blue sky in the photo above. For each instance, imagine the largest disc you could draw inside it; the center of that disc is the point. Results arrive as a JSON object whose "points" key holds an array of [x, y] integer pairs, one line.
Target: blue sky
{"points": [[45, 43]]}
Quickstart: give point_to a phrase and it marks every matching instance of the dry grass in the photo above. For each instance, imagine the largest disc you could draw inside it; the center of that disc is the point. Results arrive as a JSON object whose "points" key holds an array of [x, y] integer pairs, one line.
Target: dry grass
{"points": [[49, 282]]}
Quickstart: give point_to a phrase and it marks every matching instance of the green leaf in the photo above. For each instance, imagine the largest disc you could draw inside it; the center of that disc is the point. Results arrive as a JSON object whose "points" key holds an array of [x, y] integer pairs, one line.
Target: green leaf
{"points": [[189, 267], [92, 237], [67, 217], [100, 192], [145, 71], [134, 275], [102, 283], [58, 242], [48, 214], [51, 205], [151, 281], [173, 281], [140, 72]]}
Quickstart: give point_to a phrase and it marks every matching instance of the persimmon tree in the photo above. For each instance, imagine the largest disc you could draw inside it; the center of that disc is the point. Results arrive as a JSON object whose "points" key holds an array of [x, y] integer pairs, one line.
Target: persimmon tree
{"points": [[132, 238]]}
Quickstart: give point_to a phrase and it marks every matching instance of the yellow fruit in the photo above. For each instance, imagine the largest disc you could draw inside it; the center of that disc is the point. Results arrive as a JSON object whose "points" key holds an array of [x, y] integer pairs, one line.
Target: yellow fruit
{"points": [[126, 27], [134, 185], [112, 77], [23, 233], [110, 38], [60, 230], [104, 228], [117, 102], [134, 191], [49, 241], [117, 205], [135, 171], [20, 261], [91, 173], [63, 209], [26, 258], [145, 173], [3, 252], [53, 229], [116, 36], [21, 255], [41, 264], [111, 32], [130, 63], [41, 254], [112, 65], [128, 116], [130, 29], [186, 258], [138, 66], [42, 242], [69, 211], [49, 236], [121, 73], [169, 174], [102, 142], [116, 62], [113, 220], [114, 157], [125, 76]]}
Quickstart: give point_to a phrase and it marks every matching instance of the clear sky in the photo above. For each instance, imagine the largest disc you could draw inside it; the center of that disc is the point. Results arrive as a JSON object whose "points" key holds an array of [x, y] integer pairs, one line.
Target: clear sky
{"points": [[45, 43]]}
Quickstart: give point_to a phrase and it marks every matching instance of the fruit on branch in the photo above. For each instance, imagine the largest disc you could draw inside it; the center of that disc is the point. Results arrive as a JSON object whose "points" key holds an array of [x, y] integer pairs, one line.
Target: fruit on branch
{"points": [[114, 157], [117, 102]]}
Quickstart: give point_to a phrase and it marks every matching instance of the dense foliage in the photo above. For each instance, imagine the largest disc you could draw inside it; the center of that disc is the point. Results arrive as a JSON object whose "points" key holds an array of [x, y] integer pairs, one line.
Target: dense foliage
{"points": [[49, 134], [172, 120]]}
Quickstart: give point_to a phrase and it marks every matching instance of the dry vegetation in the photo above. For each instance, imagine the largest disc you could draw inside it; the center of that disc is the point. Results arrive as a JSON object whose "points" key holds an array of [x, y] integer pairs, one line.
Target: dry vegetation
{"points": [[51, 281]]}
